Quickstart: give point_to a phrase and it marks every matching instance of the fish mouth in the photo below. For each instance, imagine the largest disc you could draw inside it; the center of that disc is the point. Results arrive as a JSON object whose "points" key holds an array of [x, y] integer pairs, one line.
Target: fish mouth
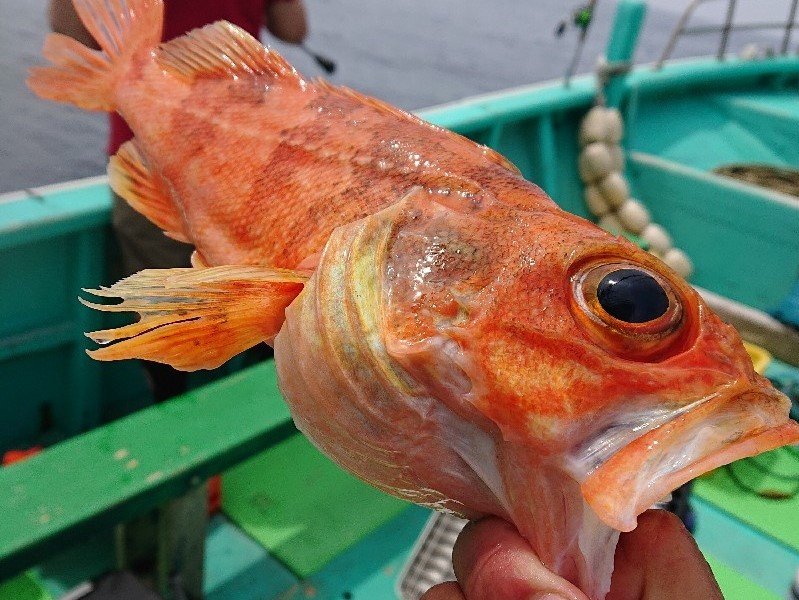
{"points": [[738, 421]]}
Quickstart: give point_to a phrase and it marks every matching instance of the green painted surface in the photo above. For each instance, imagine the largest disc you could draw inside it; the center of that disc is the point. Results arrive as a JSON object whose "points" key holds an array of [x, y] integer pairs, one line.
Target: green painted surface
{"points": [[777, 518], [735, 586], [511, 106], [24, 587], [730, 230], [132, 465], [369, 570], [773, 118], [681, 78], [301, 506], [705, 131], [52, 245], [56, 213], [236, 568], [77, 563], [750, 552], [622, 42]]}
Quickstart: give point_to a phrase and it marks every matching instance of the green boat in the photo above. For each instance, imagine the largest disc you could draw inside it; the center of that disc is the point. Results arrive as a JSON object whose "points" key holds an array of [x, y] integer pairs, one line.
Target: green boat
{"points": [[122, 484]]}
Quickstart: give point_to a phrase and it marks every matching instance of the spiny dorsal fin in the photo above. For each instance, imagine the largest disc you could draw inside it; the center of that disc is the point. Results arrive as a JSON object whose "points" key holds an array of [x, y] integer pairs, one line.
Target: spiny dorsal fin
{"points": [[223, 50], [383, 107], [195, 318], [492, 155], [497, 158], [131, 179]]}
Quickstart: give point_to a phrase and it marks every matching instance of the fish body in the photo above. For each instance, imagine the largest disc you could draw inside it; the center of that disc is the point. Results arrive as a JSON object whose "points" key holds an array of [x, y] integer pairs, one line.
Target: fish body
{"points": [[303, 156], [441, 328]]}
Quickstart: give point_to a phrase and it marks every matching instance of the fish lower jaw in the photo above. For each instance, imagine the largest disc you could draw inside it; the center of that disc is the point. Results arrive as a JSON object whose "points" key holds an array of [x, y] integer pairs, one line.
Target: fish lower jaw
{"points": [[725, 428]]}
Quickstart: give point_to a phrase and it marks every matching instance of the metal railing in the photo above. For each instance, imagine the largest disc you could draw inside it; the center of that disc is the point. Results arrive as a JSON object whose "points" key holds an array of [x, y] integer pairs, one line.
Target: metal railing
{"points": [[727, 28]]}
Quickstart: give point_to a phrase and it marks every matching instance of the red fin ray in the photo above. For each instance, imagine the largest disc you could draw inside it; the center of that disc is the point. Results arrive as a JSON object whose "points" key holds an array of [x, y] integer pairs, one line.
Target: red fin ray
{"points": [[223, 50], [130, 178], [195, 318]]}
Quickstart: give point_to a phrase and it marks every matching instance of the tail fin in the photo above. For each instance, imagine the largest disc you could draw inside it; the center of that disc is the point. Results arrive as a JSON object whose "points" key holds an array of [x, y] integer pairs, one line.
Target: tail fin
{"points": [[86, 77]]}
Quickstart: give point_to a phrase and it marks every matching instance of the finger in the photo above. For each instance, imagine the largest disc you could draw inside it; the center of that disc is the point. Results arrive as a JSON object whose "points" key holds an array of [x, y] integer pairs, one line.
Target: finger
{"points": [[660, 559], [493, 562], [444, 591]]}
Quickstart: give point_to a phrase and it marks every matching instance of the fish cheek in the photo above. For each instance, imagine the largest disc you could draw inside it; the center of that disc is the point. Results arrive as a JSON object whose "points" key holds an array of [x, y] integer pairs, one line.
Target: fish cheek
{"points": [[534, 385]]}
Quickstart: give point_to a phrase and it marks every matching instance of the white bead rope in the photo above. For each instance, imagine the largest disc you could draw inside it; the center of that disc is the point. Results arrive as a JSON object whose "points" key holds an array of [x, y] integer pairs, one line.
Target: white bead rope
{"points": [[634, 216], [657, 238], [597, 204], [607, 193], [594, 127], [596, 162], [610, 223], [616, 158], [614, 189], [679, 261]]}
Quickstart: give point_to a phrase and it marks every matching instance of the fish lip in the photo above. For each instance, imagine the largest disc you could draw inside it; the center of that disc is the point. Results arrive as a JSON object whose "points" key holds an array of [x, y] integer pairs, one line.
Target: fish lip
{"points": [[740, 420]]}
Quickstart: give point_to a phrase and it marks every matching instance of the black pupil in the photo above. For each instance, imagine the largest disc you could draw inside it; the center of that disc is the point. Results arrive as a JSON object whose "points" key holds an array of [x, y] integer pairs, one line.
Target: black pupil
{"points": [[632, 296]]}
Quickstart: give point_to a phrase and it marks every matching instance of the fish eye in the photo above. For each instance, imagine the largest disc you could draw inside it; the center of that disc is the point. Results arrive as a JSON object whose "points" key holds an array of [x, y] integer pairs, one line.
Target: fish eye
{"points": [[629, 309], [632, 296]]}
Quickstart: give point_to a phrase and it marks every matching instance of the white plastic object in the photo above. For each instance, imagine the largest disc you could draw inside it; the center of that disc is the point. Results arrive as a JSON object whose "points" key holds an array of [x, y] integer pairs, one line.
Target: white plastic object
{"points": [[595, 162], [611, 224], [750, 52], [634, 216], [614, 125], [679, 261], [657, 238], [616, 158], [614, 189], [597, 205], [594, 127]]}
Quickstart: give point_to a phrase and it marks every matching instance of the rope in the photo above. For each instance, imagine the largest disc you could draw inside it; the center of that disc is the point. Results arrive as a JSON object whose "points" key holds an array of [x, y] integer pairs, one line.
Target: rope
{"points": [[607, 190]]}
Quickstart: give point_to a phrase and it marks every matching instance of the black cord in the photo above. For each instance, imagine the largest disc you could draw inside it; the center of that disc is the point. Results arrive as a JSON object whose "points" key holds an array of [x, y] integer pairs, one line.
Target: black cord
{"points": [[328, 65], [770, 494], [752, 461]]}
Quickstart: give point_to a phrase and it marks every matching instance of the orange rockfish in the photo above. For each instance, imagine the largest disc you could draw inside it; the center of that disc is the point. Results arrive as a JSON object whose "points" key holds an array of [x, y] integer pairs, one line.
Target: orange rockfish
{"points": [[441, 328]]}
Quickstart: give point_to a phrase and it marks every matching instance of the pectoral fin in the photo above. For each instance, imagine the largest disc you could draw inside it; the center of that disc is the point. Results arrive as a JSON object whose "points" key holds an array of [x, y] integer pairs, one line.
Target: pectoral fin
{"points": [[196, 318], [129, 177]]}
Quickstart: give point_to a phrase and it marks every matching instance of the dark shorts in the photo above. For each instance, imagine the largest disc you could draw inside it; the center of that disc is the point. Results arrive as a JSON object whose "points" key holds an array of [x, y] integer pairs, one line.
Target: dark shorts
{"points": [[142, 244]]}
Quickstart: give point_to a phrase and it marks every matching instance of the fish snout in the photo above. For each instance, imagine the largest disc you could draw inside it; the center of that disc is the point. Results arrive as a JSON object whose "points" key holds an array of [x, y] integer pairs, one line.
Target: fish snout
{"points": [[742, 419]]}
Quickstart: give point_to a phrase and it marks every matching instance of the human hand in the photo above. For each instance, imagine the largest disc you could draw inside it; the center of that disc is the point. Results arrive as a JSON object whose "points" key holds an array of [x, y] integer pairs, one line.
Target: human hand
{"points": [[658, 560]]}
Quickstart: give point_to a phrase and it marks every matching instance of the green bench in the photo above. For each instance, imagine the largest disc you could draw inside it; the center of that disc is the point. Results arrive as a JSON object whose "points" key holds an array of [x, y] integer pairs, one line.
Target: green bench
{"points": [[133, 465]]}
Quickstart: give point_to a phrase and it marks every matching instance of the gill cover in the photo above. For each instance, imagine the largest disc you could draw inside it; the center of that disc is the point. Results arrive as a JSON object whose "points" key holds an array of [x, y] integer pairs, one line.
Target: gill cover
{"points": [[355, 403]]}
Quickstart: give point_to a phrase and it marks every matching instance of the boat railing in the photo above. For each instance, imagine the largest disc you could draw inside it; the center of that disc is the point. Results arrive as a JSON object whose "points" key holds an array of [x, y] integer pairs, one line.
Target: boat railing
{"points": [[726, 28]]}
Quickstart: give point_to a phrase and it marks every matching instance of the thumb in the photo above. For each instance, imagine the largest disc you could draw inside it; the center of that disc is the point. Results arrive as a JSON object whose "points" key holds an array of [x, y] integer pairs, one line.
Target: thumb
{"points": [[493, 562]]}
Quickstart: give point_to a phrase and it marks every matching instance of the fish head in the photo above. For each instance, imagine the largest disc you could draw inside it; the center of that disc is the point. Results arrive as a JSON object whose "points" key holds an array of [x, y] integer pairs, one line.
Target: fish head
{"points": [[567, 342], [484, 352]]}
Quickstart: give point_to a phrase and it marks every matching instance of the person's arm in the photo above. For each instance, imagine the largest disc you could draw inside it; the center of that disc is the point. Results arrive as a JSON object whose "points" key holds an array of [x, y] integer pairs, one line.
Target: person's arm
{"points": [[286, 20], [63, 19]]}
